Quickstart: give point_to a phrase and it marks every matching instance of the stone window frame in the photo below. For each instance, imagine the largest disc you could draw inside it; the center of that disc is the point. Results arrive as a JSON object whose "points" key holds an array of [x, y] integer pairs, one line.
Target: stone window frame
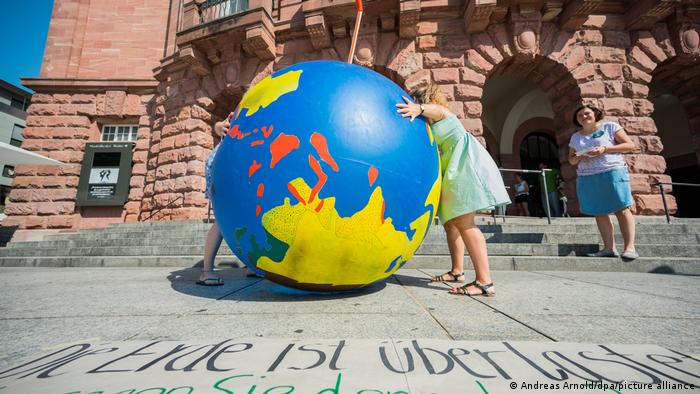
{"points": [[132, 134]]}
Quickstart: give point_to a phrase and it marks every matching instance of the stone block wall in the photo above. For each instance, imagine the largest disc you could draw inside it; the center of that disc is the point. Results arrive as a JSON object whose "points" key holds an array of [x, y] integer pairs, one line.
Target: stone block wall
{"points": [[181, 141], [597, 65], [186, 106], [595, 59], [105, 39], [58, 126]]}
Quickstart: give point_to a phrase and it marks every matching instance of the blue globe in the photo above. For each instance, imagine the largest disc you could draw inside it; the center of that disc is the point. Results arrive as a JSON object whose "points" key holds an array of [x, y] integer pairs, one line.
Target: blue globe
{"points": [[320, 184]]}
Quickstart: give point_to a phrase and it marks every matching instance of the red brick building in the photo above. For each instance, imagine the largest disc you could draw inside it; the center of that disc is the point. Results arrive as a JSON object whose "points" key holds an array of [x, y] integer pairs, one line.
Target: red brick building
{"points": [[162, 72]]}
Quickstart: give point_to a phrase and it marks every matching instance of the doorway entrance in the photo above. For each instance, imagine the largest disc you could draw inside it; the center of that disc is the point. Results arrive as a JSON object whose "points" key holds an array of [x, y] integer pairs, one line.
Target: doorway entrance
{"points": [[537, 148]]}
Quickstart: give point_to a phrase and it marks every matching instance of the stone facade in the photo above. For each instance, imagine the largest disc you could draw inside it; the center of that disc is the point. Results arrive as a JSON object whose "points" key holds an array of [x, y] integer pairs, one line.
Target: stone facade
{"points": [[604, 53], [58, 126]]}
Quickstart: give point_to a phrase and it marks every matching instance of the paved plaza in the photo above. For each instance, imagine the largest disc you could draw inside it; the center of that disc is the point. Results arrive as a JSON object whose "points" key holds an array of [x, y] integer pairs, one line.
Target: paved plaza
{"points": [[58, 310]]}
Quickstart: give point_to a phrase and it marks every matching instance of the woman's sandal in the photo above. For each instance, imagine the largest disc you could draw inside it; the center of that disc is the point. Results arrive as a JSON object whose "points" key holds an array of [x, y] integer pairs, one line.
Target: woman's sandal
{"points": [[484, 290], [455, 277], [210, 282]]}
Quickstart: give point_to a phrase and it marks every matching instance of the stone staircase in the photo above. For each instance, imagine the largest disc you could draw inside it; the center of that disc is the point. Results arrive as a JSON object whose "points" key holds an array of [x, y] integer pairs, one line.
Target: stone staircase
{"points": [[517, 244]]}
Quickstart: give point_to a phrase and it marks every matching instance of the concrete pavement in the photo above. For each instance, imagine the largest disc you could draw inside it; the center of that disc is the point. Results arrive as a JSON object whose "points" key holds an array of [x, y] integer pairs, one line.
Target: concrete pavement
{"points": [[45, 309]]}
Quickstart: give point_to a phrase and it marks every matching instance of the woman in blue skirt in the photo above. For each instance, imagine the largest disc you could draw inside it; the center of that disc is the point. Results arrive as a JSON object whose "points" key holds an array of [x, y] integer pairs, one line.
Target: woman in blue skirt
{"points": [[603, 183]]}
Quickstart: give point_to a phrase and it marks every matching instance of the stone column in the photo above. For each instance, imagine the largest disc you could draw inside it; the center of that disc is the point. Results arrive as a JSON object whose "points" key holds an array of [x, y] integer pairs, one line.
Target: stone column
{"points": [[181, 142]]}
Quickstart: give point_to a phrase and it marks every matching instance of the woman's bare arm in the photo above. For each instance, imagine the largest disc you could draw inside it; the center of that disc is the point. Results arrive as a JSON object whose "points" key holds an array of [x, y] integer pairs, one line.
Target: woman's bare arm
{"points": [[220, 128], [624, 143], [573, 159], [432, 112]]}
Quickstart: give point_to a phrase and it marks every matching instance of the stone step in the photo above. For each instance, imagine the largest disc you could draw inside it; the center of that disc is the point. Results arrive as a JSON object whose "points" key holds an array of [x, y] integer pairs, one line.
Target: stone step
{"points": [[480, 220], [189, 227], [580, 220], [435, 232], [195, 239], [115, 261], [585, 228], [675, 265], [684, 239], [573, 249], [497, 249], [685, 266], [434, 237]]}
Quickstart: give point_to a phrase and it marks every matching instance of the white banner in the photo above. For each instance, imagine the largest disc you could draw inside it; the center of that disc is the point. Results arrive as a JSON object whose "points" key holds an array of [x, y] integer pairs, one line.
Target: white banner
{"points": [[278, 366]]}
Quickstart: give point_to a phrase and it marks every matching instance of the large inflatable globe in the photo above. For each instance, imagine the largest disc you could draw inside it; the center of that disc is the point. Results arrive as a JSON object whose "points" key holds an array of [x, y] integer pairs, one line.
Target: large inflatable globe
{"points": [[320, 184]]}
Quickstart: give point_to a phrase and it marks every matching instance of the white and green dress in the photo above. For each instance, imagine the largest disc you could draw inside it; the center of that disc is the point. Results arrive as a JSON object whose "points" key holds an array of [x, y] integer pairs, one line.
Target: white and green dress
{"points": [[471, 180]]}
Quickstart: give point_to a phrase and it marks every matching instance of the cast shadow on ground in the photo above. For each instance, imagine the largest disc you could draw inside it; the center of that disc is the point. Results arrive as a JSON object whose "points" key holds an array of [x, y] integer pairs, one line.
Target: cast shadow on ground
{"points": [[238, 287], [667, 270], [423, 282]]}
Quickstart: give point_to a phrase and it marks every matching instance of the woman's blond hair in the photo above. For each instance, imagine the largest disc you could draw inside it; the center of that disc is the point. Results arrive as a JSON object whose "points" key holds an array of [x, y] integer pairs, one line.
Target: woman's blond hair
{"points": [[430, 94]]}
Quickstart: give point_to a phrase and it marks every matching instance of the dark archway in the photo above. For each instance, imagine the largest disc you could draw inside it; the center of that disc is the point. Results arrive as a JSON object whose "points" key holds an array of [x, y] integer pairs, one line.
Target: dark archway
{"points": [[538, 147], [675, 93], [544, 80], [674, 132], [492, 145]]}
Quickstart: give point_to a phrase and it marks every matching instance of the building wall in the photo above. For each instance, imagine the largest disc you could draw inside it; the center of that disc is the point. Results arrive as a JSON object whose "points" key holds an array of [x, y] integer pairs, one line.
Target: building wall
{"points": [[105, 39], [600, 61], [58, 126]]}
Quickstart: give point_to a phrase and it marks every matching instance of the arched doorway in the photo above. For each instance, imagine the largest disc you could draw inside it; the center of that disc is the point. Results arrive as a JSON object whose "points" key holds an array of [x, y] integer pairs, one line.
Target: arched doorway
{"points": [[682, 165], [519, 109], [537, 147], [492, 145], [675, 93]]}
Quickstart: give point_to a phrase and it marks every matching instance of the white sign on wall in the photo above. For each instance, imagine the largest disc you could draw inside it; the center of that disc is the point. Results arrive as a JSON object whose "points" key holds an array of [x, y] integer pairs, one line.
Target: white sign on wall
{"points": [[104, 175]]}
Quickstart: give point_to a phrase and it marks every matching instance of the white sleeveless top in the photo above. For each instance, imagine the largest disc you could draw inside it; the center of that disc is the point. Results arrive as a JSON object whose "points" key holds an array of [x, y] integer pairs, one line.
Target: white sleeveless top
{"points": [[520, 188]]}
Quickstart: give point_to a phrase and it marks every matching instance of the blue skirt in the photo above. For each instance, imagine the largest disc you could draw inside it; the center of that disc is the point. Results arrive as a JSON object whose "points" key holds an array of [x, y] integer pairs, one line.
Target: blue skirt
{"points": [[604, 193]]}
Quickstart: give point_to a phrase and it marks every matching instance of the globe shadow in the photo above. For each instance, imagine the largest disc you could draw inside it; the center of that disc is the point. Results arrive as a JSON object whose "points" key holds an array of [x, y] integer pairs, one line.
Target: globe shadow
{"points": [[238, 287], [422, 281]]}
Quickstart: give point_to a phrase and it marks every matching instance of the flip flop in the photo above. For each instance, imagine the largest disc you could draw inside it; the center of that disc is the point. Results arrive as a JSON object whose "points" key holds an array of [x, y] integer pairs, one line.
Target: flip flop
{"points": [[210, 282]]}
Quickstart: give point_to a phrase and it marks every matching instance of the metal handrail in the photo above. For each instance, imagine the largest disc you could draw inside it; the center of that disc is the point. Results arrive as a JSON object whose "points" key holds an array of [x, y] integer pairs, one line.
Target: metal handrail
{"points": [[544, 183], [663, 194], [494, 214]]}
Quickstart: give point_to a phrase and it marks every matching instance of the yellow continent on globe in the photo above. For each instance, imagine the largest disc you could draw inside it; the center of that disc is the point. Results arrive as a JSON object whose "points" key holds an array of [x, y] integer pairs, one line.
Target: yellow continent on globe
{"points": [[268, 91], [364, 243]]}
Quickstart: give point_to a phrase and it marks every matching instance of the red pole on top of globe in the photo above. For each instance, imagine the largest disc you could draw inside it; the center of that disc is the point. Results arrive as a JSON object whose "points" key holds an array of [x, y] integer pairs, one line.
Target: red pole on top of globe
{"points": [[358, 3]]}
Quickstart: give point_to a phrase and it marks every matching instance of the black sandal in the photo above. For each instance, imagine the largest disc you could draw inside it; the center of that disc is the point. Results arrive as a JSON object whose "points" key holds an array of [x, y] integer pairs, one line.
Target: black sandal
{"points": [[455, 277], [210, 282], [484, 290]]}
